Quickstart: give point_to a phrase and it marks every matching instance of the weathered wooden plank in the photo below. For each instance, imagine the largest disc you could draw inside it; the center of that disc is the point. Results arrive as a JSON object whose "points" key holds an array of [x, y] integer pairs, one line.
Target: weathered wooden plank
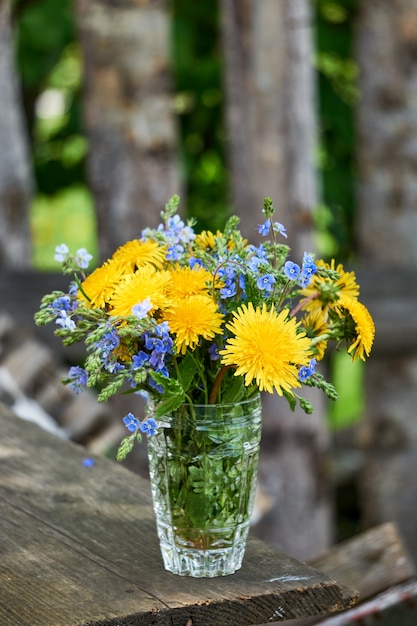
{"points": [[79, 547], [372, 562], [20, 297], [395, 607], [16, 180], [390, 293], [28, 286], [30, 374]]}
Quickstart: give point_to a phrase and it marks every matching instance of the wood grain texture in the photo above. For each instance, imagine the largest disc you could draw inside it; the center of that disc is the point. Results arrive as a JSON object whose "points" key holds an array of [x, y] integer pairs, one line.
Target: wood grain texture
{"points": [[386, 122], [395, 607], [386, 229], [78, 547], [16, 184], [371, 562], [269, 96], [377, 564]]}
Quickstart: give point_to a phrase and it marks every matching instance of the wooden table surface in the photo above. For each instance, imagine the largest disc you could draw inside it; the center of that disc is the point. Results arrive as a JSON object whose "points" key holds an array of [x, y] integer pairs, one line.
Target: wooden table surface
{"points": [[78, 547]]}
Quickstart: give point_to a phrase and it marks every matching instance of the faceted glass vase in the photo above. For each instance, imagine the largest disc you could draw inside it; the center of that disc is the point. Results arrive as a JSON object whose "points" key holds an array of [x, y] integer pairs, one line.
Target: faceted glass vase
{"points": [[203, 463]]}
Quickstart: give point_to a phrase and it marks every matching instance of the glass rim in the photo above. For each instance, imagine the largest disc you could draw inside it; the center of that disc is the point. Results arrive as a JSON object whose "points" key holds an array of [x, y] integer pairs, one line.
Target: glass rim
{"points": [[255, 398]]}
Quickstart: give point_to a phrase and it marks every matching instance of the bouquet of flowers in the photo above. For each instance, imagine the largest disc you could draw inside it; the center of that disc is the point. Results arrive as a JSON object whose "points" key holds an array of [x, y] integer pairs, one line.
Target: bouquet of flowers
{"points": [[204, 318]]}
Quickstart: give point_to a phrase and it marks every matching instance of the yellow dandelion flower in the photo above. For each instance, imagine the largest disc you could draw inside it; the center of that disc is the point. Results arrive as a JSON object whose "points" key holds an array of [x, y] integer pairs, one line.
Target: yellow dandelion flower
{"points": [[136, 253], [206, 240], [100, 285], [122, 352], [192, 318], [315, 323], [185, 281], [267, 348], [364, 328], [330, 291], [135, 288]]}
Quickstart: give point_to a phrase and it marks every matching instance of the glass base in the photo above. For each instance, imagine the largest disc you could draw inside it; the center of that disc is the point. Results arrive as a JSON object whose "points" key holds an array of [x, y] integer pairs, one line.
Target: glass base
{"points": [[202, 563], [202, 553]]}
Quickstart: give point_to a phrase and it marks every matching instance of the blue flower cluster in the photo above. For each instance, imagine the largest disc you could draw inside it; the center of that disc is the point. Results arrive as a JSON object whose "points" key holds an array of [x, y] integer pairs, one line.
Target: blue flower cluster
{"points": [[104, 348], [232, 272], [230, 277], [63, 307], [292, 270], [148, 426], [156, 347], [302, 274], [176, 234], [79, 378], [265, 228], [307, 370], [82, 257]]}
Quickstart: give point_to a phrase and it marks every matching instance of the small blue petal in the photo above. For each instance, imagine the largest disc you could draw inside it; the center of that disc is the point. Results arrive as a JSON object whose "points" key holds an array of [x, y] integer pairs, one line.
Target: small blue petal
{"points": [[263, 229], [131, 422], [291, 270]]}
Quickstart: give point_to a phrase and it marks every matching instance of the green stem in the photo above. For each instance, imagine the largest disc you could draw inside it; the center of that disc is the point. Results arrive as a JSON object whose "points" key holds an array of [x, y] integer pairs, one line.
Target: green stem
{"points": [[77, 280], [283, 294], [274, 241], [319, 338], [201, 373]]}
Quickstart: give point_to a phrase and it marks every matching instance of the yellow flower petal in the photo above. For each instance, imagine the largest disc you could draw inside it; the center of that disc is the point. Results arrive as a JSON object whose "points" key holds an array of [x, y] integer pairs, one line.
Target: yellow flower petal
{"points": [[315, 323], [192, 318], [145, 283], [267, 348], [100, 285], [206, 240], [364, 327], [330, 291], [185, 281], [136, 253]]}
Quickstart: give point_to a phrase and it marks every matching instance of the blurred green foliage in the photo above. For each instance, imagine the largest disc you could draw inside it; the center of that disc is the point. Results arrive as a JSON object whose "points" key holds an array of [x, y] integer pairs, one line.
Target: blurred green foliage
{"points": [[197, 63], [335, 217], [73, 223], [49, 64], [338, 93], [50, 68], [347, 377]]}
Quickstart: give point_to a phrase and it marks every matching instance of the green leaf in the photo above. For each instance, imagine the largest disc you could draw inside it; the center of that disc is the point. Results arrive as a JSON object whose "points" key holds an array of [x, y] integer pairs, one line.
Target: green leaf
{"points": [[318, 381], [199, 507], [111, 389], [126, 445], [169, 404], [231, 226], [306, 406], [234, 390], [291, 399], [188, 369], [171, 386], [172, 397], [171, 207]]}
